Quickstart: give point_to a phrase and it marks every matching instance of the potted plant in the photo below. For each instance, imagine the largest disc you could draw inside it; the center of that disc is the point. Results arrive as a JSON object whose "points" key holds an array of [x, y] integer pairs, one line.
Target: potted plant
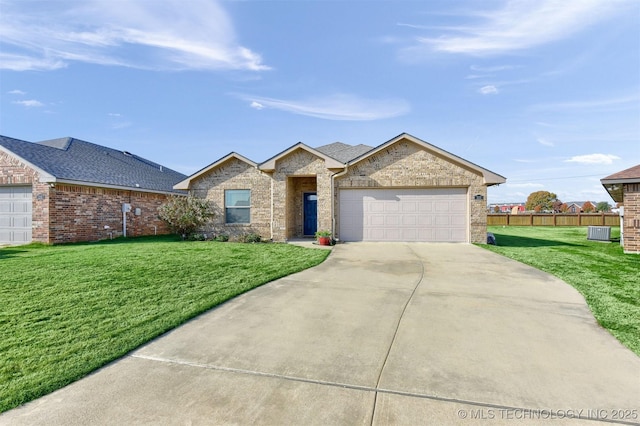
{"points": [[324, 238]]}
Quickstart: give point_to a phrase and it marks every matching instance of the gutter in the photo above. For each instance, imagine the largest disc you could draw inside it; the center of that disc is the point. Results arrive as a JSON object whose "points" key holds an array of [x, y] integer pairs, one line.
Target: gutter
{"points": [[105, 185]]}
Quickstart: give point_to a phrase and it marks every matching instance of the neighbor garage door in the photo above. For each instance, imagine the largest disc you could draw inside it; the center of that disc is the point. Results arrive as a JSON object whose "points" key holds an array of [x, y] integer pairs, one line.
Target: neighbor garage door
{"points": [[404, 215], [15, 214]]}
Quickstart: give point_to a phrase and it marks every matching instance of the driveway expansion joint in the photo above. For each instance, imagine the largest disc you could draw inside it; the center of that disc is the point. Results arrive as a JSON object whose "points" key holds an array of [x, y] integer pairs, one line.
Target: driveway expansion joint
{"points": [[362, 388], [395, 332]]}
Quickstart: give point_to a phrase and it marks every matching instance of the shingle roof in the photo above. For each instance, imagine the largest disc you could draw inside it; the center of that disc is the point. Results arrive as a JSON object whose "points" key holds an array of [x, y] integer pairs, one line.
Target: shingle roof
{"points": [[343, 152], [70, 159], [630, 173]]}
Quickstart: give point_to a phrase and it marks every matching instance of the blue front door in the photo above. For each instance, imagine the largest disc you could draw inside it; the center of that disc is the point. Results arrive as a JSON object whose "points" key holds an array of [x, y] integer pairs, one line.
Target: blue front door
{"points": [[310, 213]]}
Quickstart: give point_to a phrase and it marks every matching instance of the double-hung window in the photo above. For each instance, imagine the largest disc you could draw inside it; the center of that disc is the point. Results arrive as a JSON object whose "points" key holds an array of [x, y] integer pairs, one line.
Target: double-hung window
{"points": [[237, 205]]}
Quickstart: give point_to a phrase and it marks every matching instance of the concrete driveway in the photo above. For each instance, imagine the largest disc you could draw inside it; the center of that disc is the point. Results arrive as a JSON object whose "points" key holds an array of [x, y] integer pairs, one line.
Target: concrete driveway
{"points": [[378, 334]]}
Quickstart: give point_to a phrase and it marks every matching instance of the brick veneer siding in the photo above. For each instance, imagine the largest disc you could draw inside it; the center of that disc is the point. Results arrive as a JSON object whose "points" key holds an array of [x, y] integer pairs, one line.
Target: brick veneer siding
{"points": [[407, 165], [277, 196], [236, 174], [80, 213], [286, 192], [73, 213], [631, 225]]}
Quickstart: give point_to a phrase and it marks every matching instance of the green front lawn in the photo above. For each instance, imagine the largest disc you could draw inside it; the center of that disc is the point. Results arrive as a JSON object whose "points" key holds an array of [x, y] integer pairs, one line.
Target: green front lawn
{"points": [[67, 310], [608, 279]]}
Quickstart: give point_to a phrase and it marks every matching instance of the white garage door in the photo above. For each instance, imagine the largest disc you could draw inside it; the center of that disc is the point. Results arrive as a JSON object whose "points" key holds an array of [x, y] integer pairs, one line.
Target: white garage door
{"points": [[404, 214], [15, 214]]}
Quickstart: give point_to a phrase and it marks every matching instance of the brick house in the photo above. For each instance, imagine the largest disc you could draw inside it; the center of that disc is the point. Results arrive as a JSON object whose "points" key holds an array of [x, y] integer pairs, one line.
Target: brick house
{"points": [[402, 190], [624, 187], [68, 190]]}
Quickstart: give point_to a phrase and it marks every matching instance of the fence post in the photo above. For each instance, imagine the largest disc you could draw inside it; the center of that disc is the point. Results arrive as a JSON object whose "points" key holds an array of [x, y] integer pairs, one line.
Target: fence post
{"points": [[602, 213], [554, 218]]}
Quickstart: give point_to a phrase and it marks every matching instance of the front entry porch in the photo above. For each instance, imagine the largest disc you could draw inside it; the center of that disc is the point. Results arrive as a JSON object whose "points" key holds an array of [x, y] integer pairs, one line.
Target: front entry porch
{"points": [[302, 207]]}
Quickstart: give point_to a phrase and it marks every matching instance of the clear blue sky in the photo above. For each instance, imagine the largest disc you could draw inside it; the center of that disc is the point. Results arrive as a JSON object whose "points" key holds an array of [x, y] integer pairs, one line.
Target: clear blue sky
{"points": [[543, 92]]}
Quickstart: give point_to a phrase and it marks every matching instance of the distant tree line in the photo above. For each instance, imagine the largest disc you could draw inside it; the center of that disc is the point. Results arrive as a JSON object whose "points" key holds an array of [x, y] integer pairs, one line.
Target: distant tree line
{"points": [[545, 201]]}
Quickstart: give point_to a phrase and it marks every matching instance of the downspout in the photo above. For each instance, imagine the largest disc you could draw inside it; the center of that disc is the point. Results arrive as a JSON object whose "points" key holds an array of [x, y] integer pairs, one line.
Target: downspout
{"points": [[333, 199], [124, 222], [271, 202]]}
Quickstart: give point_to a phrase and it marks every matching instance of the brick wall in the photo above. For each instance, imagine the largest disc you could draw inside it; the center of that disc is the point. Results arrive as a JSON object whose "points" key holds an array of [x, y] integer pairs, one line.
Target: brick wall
{"points": [[631, 198], [298, 164], [80, 213], [236, 174], [73, 213], [404, 165], [407, 165]]}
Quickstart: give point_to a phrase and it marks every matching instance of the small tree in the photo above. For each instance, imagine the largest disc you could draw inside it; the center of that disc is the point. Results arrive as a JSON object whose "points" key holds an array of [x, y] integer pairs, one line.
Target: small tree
{"points": [[496, 209], [587, 207], [603, 206], [557, 206], [564, 208], [184, 215]]}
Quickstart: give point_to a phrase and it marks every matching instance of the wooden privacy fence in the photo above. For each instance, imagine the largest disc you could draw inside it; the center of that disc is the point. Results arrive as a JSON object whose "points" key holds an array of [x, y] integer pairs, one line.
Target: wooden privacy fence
{"points": [[561, 219]]}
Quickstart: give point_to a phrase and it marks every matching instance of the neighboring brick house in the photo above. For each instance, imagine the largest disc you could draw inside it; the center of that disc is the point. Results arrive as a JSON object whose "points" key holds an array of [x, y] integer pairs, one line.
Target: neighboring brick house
{"points": [[402, 190], [68, 190], [624, 187]]}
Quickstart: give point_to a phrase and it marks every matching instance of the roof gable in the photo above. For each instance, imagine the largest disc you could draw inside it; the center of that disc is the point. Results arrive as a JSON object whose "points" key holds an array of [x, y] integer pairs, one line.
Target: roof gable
{"points": [[490, 178], [69, 160], [186, 183], [344, 152], [270, 164]]}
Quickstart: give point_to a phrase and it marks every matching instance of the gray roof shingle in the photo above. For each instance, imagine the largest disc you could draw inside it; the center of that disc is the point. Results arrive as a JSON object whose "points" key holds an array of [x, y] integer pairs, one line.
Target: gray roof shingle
{"points": [[85, 162], [343, 152]]}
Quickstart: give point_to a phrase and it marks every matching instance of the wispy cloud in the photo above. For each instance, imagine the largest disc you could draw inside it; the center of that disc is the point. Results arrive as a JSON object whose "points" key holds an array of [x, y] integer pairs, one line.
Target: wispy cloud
{"points": [[17, 92], [167, 35], [545, 142], [31, 103], [494, 68], [488, 90], [520, 25], [615, 103], [118, 121], [593, 159], [336, 107]]}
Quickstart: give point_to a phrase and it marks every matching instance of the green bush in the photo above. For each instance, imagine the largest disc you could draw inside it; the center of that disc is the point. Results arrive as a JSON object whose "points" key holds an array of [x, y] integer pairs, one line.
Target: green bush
{"points": [[251, 238], [184, 215]]}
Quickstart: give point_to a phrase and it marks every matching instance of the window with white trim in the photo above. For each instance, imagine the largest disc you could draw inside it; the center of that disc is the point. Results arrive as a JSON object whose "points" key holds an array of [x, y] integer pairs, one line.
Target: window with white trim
{"points": [[237, 205]]}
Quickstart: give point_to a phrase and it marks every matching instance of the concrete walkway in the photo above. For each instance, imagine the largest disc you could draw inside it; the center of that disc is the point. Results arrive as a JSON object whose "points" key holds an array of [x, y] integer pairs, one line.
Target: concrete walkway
{"points": [[378, 334]]}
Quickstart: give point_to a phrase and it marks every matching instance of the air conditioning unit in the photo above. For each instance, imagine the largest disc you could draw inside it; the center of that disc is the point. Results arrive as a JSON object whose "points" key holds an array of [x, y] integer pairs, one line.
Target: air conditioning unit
{"points": [[599, 233]]}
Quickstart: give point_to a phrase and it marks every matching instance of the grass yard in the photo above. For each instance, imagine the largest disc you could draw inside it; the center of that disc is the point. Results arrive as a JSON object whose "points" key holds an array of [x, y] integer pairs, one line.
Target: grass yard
{"points": [[608, 279], [67, 310]]}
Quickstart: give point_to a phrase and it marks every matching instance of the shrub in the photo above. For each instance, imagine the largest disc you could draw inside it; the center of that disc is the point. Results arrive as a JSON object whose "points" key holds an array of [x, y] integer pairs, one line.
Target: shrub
{"points": [[184, 215], [223, 238], [197, 237], [251, 238]]}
